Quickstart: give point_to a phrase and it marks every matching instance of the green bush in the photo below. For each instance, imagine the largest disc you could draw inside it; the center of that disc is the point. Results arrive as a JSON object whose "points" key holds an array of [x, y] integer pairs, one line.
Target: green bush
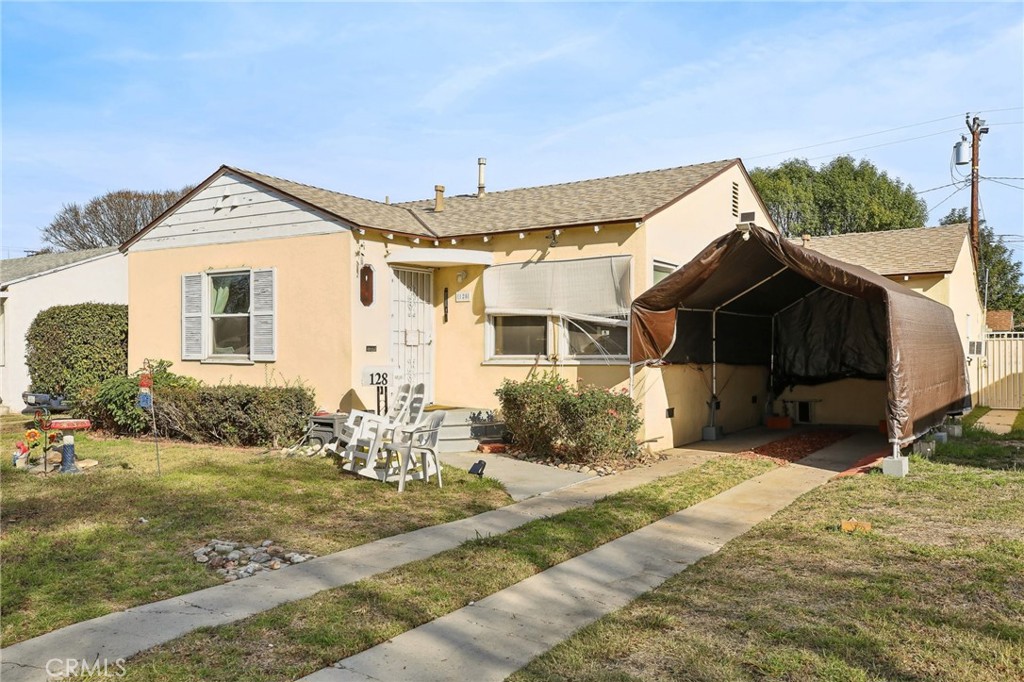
{"points": [[188, 410], [545, 414], [531, 412], [112, 405], [70, 347], [234, 414], [599, 424]]}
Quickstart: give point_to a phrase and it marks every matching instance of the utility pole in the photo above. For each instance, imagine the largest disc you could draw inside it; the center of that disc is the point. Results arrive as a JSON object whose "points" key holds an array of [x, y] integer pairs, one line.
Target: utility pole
{"points": [[978, 128]]}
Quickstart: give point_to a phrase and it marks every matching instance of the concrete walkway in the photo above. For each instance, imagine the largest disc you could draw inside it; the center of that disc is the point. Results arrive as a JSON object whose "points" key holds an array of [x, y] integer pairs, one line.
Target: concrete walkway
{"points": [[998, 421], [126, 633], [498, 635], [522, 480]]}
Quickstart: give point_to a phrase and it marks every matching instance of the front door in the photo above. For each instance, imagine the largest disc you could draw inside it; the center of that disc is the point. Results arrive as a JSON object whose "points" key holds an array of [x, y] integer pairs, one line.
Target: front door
{"points": [[412, 328]]}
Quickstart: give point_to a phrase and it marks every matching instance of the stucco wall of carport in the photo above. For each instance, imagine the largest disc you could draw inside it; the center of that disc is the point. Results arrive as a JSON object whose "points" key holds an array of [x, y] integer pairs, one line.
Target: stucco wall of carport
{"points": [[742, 391], [859, 402]]}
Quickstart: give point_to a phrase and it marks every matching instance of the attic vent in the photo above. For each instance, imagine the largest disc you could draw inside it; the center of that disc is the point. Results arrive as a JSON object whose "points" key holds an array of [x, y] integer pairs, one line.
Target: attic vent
{"points": [[735, 200], [746, 217]]}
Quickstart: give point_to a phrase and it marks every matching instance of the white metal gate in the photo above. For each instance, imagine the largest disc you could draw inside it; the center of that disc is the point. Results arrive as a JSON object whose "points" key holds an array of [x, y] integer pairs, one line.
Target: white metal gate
{"points": [[1001, 375], [412, 328]]}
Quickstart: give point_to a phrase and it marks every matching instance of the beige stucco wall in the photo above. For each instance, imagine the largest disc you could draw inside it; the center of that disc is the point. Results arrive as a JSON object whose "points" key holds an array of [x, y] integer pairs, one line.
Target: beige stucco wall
{"points": [[742, 392], [847, 401], [463, 377], [314, 315]]}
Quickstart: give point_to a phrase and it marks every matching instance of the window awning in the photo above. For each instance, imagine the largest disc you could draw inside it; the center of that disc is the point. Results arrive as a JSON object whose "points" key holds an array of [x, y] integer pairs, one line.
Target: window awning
{"points": [[589, 289], [438, 258]]}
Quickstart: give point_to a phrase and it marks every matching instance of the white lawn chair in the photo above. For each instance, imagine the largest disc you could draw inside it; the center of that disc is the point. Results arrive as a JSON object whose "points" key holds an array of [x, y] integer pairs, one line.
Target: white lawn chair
{"points": [[416, 448], [362, 453], [397, 413]]}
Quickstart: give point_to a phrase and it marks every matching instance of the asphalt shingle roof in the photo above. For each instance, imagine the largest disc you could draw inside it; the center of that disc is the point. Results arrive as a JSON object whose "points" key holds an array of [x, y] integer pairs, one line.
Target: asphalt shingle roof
{"points": [[612, 199], [897, 252], [362, 212], [16, 268]]}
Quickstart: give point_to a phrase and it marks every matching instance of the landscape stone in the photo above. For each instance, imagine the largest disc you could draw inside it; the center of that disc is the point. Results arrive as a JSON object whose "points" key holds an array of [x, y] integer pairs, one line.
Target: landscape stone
{"points": [[266, 543], [261, 557], [234, 555], [202, 558]]}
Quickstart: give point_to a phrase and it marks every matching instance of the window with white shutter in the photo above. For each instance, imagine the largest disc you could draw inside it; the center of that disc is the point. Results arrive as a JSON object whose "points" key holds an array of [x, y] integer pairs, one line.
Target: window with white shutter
{"points": [[192, 347], [264, 310], [229, 316]]}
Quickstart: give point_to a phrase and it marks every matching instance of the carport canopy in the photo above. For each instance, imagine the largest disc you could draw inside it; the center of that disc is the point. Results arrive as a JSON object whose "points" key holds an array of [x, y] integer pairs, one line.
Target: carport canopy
{"points": [[754, 298]]}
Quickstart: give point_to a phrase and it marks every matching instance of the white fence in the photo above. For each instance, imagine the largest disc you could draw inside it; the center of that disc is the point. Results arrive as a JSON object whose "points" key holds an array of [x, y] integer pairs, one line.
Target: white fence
{"points": [[1000, 371]]}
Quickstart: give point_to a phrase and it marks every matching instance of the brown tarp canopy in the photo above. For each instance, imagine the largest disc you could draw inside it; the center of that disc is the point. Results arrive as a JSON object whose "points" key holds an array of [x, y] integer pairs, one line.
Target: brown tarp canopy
{"points": [[811, 319]]}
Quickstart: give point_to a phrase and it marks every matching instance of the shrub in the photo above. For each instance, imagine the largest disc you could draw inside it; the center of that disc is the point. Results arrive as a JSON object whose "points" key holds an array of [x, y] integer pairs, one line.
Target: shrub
{"points": [[112, 404], [234, 414], [69, 347], [599, 424], [530, 409], [188, 410], [584, 424]]}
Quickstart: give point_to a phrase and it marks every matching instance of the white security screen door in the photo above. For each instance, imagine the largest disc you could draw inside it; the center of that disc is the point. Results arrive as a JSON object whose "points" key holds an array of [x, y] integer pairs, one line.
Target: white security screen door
{"points": [[412, 328]]}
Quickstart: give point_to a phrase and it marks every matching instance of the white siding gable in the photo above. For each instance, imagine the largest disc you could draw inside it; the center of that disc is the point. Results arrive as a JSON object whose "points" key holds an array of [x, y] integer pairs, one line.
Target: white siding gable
{"points": [[235, 209]]}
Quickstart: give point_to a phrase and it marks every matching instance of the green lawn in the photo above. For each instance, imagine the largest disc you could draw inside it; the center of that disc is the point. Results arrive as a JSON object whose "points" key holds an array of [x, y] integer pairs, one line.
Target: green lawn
{"points": [[297, 639], [73, 547], [935, 591]]}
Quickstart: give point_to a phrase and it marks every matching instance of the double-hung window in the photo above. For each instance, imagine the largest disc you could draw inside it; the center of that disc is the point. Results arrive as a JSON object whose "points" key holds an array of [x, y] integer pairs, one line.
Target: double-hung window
{"points": [[571, 310], [228, 316]]}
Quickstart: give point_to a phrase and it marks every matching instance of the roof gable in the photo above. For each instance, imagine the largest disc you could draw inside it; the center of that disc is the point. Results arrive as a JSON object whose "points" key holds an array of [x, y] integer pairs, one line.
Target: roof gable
{"points": [[920, 250]]}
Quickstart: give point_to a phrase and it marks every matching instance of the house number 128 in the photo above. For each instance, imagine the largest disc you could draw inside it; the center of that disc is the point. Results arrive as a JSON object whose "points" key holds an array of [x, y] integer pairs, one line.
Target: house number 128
{"points": [[378, 378]]}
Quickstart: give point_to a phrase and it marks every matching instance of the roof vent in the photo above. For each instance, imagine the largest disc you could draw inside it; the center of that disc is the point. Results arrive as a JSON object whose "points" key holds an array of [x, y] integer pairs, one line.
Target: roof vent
{"points": [[438, 198], [481, 165]]}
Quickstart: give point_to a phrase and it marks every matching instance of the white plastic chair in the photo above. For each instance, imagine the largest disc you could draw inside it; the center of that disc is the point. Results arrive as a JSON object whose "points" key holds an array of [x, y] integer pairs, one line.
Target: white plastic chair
{"points": [[416, 447], [397, 413]]}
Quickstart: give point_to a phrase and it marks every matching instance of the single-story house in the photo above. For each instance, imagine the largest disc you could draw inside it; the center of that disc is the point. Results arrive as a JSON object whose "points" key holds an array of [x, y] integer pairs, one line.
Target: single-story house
{"points": [[253, 279], [760, 309], [32, 284]]}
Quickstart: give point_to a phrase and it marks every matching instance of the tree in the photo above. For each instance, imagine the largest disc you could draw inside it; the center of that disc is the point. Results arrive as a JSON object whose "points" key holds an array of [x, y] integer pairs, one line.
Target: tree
{"points": [[109, 219], [996, 265], [839, 197]]}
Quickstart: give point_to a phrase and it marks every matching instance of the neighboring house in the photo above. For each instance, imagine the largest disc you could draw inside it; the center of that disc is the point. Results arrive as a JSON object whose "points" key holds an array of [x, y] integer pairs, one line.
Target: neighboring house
{"points": [[999, 320], [934, 261], [33, 284], [253, 279]]}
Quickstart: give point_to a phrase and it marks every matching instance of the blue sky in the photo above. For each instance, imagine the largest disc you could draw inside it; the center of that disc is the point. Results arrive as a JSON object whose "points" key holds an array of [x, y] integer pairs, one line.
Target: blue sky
{"points": [[391, 99]]}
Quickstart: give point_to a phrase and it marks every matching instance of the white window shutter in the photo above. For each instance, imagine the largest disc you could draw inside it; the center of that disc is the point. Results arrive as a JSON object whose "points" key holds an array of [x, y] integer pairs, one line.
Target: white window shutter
{"points": [[192, 317], [262, 319]]}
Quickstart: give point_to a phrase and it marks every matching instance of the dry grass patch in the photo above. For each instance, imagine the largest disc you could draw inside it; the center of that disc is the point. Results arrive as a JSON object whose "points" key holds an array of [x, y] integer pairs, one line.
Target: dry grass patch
{"points": [[73, 547], [296, 639], [934, 592]]}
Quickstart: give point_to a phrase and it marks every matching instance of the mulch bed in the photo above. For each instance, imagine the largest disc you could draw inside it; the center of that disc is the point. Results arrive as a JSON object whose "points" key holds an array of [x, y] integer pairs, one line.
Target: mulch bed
{"points": [[792, 448]]}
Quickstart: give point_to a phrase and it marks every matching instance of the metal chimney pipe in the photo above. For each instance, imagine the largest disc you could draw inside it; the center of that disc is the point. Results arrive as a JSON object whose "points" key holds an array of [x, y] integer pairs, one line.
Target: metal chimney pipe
{"points": [[438, 198], [481, 165]]}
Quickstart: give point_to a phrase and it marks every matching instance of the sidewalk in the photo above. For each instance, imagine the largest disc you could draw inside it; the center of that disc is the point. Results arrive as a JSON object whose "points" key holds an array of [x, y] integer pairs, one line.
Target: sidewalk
{"points": [[126, 633], [998, 421], [491, 639]]}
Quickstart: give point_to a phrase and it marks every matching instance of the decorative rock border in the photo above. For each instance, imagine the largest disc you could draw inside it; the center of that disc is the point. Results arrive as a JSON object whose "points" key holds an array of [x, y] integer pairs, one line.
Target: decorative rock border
{"points": [[236, 560], [609, 469]]}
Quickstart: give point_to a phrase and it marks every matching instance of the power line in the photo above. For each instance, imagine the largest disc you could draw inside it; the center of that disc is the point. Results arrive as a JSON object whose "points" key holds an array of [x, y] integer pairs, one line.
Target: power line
{"points": [[885, 144], [1006, 184], [855, 137], [925, 191], [955, 192], [992, 111]]}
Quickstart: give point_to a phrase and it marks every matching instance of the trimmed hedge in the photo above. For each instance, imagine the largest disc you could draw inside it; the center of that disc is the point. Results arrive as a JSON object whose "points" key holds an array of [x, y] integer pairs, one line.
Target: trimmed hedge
{"points": [[69, 347], [188, 410], [546, 415]]}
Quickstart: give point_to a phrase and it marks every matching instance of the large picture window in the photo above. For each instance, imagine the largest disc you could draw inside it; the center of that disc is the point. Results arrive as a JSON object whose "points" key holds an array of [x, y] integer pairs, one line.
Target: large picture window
{"points": [[228, 316], [558, 311]]}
